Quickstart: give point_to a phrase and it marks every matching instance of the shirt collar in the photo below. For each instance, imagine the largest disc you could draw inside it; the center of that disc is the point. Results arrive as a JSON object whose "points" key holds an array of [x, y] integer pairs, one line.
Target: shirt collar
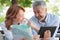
{"points": [[24, 22], [45, 18]]}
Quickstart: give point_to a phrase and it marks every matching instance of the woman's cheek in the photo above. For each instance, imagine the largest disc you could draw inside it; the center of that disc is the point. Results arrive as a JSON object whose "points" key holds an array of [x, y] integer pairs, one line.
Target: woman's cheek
{"points": [[21, 18]]}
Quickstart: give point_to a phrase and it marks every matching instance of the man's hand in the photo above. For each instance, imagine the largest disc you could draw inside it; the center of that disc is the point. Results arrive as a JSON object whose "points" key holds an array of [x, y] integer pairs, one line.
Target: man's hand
{"points": [[47, 35]]}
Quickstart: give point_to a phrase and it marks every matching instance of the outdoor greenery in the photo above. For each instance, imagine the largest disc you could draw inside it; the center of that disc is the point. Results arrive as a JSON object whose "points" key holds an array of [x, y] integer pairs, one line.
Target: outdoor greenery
{"points": [[55, 10], [2, 19], [24, 3]]}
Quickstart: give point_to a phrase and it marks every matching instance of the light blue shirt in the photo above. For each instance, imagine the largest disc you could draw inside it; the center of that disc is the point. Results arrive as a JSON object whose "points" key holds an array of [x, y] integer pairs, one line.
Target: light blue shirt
{"points": [[51, 20], [9, 34]]}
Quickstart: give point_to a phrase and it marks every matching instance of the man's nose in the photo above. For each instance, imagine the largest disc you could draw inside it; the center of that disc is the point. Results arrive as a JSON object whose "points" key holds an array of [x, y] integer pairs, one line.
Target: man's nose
{"points": [[40, 15]]}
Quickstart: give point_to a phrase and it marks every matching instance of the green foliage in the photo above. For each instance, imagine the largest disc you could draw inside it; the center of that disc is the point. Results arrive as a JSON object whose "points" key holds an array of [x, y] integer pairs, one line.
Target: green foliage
{"points": [[2, 19], [47, 0], [25, 3], [7, 2], [55, 10], [1, 8]]}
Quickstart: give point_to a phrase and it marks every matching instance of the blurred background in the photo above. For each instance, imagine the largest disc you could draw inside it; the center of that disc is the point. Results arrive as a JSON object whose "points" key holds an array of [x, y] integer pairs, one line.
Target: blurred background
{"points": [[52, 5]]}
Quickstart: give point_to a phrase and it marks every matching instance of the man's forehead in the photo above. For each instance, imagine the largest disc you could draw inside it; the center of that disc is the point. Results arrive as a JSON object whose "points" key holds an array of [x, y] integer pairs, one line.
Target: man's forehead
{"points": [[38, 7]]}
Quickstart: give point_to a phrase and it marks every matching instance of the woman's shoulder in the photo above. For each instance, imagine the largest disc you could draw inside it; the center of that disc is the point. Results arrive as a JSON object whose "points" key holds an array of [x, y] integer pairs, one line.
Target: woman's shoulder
{"points": [[2, 24]]}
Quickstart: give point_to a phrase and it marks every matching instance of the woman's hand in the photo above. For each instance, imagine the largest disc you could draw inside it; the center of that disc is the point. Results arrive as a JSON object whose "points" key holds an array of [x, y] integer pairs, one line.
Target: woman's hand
{"points": [[33, 26], [36, 37], [25, 38], [47, 35]]}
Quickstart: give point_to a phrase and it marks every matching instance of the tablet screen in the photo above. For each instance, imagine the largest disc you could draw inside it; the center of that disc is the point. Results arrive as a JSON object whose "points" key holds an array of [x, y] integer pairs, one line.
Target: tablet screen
{"points": [[43, 29]]}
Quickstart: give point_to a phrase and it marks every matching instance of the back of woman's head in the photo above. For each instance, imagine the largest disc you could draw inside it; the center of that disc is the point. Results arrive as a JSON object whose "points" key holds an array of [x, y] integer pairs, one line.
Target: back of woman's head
{"points": [[11, 14]]}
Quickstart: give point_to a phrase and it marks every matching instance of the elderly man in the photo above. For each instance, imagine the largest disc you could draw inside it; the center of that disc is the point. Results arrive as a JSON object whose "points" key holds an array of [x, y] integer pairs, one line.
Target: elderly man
{"points": [[42, 18]]}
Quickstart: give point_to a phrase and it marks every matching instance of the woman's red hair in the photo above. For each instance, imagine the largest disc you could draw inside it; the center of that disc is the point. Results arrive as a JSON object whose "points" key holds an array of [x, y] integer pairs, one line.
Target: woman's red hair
{"points": [[11, 14]]}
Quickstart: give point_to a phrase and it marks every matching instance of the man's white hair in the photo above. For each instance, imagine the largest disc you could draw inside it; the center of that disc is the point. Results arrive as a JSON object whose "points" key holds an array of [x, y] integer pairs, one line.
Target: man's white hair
{"points": [[39, 3]]}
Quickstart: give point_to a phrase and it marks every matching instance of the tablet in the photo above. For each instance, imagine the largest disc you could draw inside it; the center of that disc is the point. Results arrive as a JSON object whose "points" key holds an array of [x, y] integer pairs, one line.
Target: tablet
{"points": [[43, 29]]}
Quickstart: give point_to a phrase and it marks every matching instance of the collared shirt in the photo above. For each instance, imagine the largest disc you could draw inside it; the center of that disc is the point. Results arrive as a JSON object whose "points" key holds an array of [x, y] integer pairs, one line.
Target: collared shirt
{"points": [[51, 20]]}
